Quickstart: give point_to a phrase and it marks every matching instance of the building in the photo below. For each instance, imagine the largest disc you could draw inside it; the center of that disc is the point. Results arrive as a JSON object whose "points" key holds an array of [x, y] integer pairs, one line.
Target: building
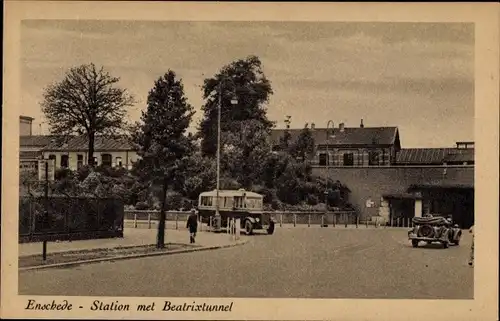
{"points": [[72, 152], [30, 151], [350, 146], [388, 182], [30, 145], [25, 126]]}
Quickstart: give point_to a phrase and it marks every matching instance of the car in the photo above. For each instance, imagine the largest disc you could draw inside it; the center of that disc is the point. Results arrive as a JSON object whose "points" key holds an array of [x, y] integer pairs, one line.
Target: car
{"points": [[434, 229]]}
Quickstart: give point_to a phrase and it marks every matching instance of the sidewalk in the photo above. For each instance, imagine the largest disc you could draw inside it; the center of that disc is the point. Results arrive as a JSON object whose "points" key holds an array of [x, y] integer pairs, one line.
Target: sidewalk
{"points": [[131, 237]]}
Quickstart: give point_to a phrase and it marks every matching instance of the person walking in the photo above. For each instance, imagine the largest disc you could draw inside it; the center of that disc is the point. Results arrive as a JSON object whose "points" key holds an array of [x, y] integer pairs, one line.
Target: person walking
{"points": [[471, 258], [192, 225]]}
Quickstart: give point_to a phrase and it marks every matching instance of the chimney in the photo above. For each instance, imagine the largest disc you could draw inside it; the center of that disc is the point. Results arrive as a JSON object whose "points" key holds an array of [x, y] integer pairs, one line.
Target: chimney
{"points": [[341, 127], [313, 126], [361, 124]]}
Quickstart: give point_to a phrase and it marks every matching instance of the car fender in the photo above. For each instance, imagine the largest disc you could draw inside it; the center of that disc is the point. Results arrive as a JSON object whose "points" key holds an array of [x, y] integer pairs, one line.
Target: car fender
{"points": [[251, 219], [457, 233]]}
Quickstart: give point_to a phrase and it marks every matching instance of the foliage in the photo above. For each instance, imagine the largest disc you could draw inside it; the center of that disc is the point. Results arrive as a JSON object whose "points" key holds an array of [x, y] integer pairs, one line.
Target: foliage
{"points": [[284, 141], [246, 152], [161, 140], [243, 79], [303, 147], [87, 101], [160, 136]]}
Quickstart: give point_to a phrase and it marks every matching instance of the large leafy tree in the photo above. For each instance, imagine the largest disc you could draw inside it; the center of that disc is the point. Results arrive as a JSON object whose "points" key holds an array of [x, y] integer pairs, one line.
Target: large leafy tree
{"points": [[244, 80], [246, 152], [87, 101], [161, 139]]}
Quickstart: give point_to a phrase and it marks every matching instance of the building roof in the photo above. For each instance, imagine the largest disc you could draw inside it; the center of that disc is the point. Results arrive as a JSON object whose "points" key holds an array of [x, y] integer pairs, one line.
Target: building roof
{"points": [[36, 140], [433, 156], [232, 193], [402, 196], [29, 154], [440, 186], [349, 136], [80, 143]]}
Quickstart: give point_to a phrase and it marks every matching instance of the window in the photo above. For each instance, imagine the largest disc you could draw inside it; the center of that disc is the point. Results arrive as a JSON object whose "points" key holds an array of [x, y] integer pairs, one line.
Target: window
{"points": [[64, 161], [238, 201], [206, 201], [52, 156], [374, 158], [348, 159], [79, 162], [106, 160], [384, 160], [323, 159], [119, 162]]}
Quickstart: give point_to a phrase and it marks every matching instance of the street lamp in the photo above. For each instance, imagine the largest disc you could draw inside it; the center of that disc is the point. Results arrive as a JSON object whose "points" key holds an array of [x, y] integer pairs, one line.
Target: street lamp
{"points": [[234, 101], [327, 161]]}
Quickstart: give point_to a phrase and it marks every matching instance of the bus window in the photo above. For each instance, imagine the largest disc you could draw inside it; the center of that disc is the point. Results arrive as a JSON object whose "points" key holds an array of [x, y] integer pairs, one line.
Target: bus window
{"points": [[238, 201]]}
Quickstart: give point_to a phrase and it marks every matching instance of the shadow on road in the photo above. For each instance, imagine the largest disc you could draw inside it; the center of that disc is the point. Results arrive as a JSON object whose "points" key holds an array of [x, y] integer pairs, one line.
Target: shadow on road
{"points": [[432, 246]]}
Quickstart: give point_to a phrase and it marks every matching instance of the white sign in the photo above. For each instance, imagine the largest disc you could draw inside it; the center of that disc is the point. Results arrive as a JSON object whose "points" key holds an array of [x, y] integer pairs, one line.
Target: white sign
{"points": [[51, 169]]}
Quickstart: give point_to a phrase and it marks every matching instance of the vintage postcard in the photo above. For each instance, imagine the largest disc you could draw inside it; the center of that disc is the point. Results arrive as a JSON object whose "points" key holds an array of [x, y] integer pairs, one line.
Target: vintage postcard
{"points": [[256, 161]]}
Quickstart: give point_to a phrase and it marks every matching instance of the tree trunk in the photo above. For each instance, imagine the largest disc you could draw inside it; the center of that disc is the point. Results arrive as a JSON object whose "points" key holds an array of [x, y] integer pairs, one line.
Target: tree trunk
{"points": [[90, 160], [160, 239]]}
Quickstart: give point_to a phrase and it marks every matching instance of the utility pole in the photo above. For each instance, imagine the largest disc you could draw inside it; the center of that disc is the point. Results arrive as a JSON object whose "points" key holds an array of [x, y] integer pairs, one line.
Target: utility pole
{"points": [[327, 162]]}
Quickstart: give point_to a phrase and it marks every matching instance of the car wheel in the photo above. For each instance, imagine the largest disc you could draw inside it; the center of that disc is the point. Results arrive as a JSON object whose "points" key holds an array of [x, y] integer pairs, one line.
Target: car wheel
{"points": [[270, 229], [248, 228], [450, 236], [445, 245], [414, 243], [457, 242]]}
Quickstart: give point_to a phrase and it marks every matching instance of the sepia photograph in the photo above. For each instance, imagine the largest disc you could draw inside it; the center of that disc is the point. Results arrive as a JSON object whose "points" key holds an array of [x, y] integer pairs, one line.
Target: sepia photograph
{"points": [[201, 161]]}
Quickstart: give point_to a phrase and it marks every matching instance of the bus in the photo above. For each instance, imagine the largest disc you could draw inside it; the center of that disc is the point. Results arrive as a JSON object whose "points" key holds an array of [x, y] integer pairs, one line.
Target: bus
{"points": [[238, 204]]}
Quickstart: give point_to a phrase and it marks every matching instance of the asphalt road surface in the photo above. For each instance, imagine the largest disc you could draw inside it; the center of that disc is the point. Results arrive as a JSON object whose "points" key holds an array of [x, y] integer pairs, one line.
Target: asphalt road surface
{"points": [[294, 262]]}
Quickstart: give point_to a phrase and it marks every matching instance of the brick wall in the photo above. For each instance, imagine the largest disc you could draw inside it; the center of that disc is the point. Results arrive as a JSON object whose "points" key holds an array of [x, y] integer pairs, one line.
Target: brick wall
{"points": [[373, 182]]}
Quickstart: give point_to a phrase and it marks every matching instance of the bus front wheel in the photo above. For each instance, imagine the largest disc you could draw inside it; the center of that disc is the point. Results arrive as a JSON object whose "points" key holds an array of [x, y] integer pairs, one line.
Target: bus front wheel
{"points": [[248, 228]]}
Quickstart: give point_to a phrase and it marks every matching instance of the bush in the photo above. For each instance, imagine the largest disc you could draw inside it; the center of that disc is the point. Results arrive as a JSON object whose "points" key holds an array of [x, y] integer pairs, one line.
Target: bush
{"points": [[141, 206], [63, 173], [174, 201], [83, 172]]}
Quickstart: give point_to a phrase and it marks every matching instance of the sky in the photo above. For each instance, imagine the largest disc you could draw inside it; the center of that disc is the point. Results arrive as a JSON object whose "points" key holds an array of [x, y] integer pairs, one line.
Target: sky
{"points": [[416, 76]]}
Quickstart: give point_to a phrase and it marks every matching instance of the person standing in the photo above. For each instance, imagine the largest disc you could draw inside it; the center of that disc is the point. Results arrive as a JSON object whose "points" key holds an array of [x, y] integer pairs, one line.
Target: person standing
{"points": [[192, 225], [471, 259]]}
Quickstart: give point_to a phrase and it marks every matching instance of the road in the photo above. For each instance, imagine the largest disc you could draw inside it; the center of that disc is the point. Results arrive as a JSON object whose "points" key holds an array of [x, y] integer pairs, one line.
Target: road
{"points": [[295, 262]]}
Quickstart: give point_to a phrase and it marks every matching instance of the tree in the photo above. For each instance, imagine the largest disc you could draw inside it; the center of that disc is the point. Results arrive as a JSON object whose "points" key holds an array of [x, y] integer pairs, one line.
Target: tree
{"points": [[303, 147], [246, 152], [161, 139], [244, 80], [88, 102]]}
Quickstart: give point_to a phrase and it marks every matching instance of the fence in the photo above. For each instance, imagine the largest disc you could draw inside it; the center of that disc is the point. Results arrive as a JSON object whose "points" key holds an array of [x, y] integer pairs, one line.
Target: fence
{"points": [[176, 219], [69, 218]]}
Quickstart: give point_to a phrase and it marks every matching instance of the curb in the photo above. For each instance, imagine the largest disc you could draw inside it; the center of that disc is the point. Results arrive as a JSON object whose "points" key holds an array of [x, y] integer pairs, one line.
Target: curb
{"points": [[133, 256]]}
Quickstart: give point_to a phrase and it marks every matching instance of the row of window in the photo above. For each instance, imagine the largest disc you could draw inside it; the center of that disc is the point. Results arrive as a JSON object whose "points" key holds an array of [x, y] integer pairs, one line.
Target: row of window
{"points": [[230, 202], [106, 160], [375, 158]]}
